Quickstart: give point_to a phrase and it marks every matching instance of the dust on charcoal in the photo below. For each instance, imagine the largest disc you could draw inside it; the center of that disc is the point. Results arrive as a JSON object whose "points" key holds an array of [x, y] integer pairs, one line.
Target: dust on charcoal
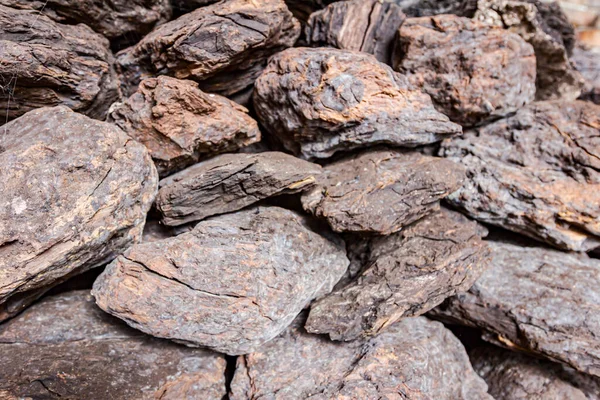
{"points": [[298, 199]]}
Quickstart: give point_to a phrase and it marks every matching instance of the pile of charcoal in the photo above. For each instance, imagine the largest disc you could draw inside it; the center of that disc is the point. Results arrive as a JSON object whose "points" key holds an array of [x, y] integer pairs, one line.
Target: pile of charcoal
{"points": [[300, 199]]}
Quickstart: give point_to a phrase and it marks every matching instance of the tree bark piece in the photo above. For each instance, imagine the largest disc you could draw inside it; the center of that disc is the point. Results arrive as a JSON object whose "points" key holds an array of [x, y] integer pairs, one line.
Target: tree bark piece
{"points": [[537, 299], [180, 124], [415, 358], [381, 191], [469, 69], [535, 173], [44, 63], [67, 347], [75, 193], [230, 182], [405, 274], [587, 62], [223, 46], [320, 101], [233, 283], [368, 26]]}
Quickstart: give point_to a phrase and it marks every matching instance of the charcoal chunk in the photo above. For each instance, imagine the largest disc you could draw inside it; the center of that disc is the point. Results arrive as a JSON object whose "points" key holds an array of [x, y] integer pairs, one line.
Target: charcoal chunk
{"points": [[472, 71], [180, 124], [320, 101], [223, 46], [231, 182], [587, 62], [302, 9], [66, 347], [538, 299], [369, 26], [44, 63], [75, 193], [381, 191], [185, 6], [424, 8], [535, 173], [231, 284], [406, 274], [415, 358]]}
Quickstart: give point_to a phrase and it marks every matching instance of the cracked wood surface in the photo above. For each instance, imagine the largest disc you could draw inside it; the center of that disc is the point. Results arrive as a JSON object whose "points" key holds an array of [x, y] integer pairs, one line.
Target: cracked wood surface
{"points": [[230, 182]]}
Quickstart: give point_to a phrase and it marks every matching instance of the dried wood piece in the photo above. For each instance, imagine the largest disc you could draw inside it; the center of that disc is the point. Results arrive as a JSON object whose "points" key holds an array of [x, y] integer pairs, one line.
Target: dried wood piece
{"points": [[66, 347], [406, 274], [231, 284], [369, 26], [469, 69], [44, 63], [180, 124], [223, 46], [320, 101], [424, 8], [381, 191], [230, 182], [415, 358], [541, 300], [535, 173], [587, 62]]}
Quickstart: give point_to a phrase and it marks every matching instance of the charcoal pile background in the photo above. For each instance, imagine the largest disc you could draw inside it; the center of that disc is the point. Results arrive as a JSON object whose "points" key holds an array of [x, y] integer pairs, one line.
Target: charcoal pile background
{"points": [[269, 199]]}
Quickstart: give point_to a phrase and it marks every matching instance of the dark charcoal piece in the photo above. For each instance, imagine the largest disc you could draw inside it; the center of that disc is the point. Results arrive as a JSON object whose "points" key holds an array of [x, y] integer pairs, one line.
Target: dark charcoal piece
{"points": [[541, 27], [369, 26], [555, 23], [75, 193], [223, 46], [231, 182], [587, 63], [514, 376], [414, 359], [185, 6], [320, 101], [538, 299], [302, 9], [406, 274], [180, 124], [111, 18], [381, 191], [231, 284], [535, 173], [469, 69], [66, 347], [43, 63], [423, 8]]}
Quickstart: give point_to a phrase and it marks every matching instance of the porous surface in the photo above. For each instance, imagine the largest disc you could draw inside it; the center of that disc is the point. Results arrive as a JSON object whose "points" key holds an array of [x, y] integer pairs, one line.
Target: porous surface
{"points": [[587, 62], [535, 173], [231, 284], [230, 182], [180, 124], [75, 194], [381, 191], [320, 101]]}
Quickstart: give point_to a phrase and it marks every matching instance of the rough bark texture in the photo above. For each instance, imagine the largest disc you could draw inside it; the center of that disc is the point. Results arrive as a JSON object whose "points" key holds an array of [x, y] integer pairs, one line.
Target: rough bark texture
{"points": [[75, 193], [44, 63], [66, 347], [319, 101], [111, 18], [231, 284], [556, 76], [405, 275], [231, 182], [414, 359], [587, 63], [514, 376], [381, 191], [223, 46], [369, 26], [180, 124], [424, 8], [472, 71], [535, 173], [538, 299]]}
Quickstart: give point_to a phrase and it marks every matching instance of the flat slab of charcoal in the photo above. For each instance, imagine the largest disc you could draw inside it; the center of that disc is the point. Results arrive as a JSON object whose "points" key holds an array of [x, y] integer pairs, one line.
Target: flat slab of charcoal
{"points": [[230, 182], [381, 191], [65, 346], [537, 299], [180, 124], [320, 101], [535, 173], [415, 357], [231, 284]]}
